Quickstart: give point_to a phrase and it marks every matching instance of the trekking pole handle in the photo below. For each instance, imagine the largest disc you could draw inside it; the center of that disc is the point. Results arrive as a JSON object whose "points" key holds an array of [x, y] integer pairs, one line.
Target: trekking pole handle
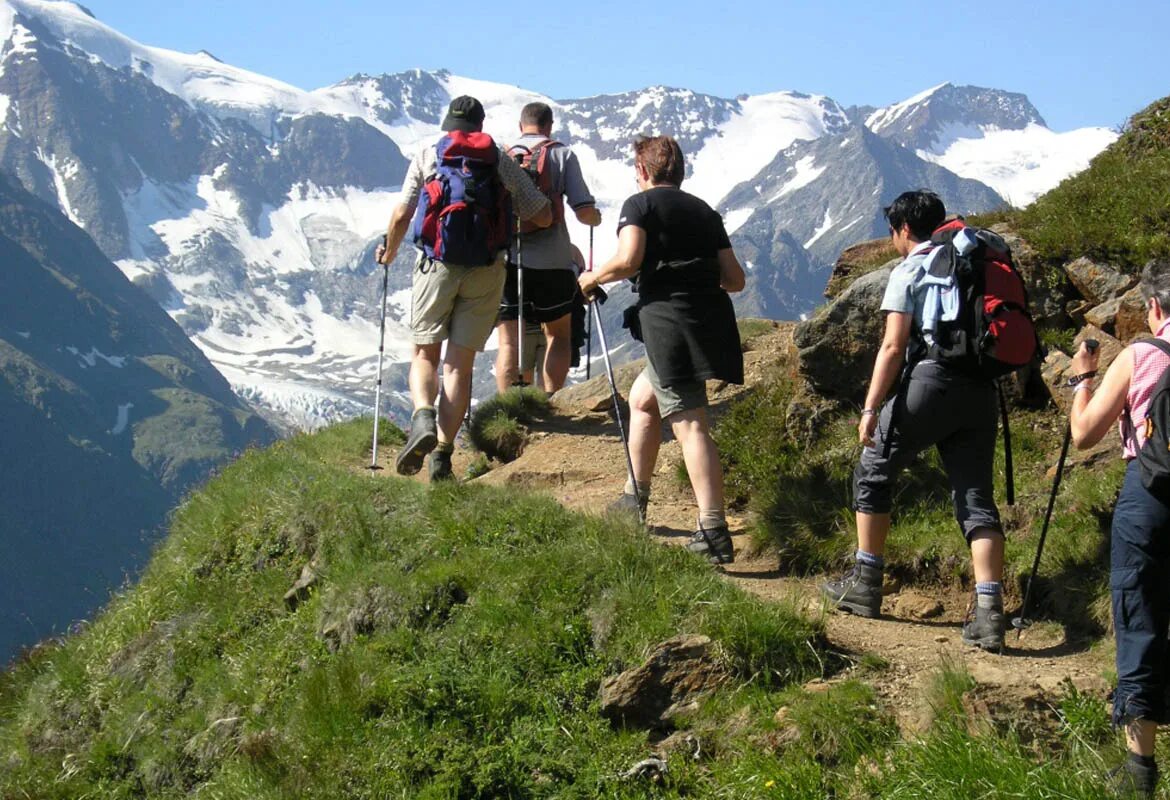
{"points": [[1091, 345], [598, 295]]}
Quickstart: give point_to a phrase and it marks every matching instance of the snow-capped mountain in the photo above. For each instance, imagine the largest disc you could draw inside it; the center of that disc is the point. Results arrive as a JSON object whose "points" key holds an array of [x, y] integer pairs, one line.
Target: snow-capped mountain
{"points": [[248, 207], [998, 138]]}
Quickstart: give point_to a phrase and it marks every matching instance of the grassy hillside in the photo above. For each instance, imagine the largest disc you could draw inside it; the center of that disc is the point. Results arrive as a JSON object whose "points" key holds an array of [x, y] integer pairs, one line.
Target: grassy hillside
{"points": [[453, 649]]}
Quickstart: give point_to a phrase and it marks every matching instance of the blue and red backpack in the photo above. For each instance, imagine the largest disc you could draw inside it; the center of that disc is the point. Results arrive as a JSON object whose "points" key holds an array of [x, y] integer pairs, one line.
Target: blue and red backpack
{"points": [[464, 215]]}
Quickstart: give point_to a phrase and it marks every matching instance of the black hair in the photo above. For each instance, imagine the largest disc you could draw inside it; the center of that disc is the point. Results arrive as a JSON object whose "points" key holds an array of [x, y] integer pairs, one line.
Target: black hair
{"points": [[922, 210], [1156, 283], [538, 114]]}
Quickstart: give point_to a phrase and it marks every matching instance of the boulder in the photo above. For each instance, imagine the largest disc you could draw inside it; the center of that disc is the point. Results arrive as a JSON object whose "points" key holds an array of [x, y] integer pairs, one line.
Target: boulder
{"points": [[677, 672], [913, 605], [1104, 316], [594, 395], [1131, 321], [837, 346], [1097, 282], [304, 586]]}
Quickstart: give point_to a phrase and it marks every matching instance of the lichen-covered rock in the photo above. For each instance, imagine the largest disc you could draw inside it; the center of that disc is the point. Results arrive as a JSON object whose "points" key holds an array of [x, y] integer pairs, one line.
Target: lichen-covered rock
{"points": [[677, 672], [1131, 320], [1097, 282]]}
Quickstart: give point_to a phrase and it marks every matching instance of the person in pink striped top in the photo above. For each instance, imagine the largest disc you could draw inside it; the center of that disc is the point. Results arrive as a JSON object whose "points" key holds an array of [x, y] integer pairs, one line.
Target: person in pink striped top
{"points": [[1140, 548]]}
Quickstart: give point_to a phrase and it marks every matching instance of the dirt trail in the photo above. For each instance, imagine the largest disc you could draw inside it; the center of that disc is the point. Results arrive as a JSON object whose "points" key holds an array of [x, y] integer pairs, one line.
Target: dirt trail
{"points": [[577, 458]]}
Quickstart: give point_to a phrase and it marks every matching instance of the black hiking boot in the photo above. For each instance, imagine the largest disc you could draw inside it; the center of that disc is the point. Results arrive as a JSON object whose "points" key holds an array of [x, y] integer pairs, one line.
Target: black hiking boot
{"points": [[422, 440], [440, 466], [632, 504], [985, 630], [1134, 780], [715, 544], [858, 592]]}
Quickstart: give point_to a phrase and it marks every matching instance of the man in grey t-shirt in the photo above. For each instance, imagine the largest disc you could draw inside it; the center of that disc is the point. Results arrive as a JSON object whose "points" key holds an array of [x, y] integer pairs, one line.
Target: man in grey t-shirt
{"points": [[550, 274]]}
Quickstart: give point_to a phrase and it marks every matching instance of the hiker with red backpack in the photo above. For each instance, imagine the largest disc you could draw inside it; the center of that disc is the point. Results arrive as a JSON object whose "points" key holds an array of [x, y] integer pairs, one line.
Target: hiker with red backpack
{"points": [[1135, 393], [460, 193], [544, 287], [956, 318]]}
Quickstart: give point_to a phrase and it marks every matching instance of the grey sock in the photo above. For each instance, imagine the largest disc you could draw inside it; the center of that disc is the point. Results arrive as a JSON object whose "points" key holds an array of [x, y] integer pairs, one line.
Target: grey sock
{"points": [[710, 519]]}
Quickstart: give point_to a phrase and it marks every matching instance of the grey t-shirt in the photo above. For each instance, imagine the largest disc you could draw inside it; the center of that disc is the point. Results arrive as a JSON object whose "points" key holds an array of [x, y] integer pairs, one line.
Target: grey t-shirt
{"points": [[550, 248]]}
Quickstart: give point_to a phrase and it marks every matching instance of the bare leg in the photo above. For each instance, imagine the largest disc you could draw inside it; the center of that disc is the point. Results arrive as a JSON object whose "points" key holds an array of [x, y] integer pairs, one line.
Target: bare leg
{"points": [[987, 555], [456, 394], [424, 375], [1139, 736], [559, 335], [645, 429], [872, 530], [701, 456], [506, 366]]}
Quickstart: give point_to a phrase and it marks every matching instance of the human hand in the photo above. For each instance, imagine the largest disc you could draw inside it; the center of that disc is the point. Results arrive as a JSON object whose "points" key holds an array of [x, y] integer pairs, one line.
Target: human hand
{"points": [[380, 253], [588, 285], [866, 428], [1086, 357]]}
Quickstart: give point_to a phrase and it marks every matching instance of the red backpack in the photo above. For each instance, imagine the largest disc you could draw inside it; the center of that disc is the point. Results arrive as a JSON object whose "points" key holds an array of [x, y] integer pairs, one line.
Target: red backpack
{"points": [[993, 333], [535, 161]]}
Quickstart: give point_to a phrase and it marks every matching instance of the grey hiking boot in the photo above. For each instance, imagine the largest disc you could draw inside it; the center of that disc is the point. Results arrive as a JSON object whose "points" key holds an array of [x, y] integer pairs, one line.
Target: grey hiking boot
{"points": [[631, 504], [1134, 780], [715, 544], [440, 466], [858, 592], [422, 440], [985, 629]]}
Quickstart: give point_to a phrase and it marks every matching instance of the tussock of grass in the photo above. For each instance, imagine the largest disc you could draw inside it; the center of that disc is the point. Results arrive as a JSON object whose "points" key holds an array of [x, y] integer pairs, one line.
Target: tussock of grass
{"points": [[497, 426]]}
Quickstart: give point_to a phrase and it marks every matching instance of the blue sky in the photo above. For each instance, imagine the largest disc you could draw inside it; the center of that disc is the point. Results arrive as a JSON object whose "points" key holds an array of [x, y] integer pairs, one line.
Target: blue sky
{"points": [[1080, 63]]}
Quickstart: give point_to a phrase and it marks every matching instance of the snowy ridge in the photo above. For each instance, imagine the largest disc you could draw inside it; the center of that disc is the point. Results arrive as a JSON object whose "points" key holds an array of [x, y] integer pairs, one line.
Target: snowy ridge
{"points": [[885, 117]]}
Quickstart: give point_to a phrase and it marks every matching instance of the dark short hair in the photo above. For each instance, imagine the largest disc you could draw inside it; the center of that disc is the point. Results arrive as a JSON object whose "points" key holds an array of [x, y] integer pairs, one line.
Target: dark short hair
{"points": [[662, 158], [922, 210], [538, 114], [1156, 282]]}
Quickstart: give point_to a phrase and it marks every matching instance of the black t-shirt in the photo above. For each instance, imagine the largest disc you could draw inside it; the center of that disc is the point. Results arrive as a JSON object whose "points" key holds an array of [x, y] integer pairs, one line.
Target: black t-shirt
{"points": [[683, 235]]}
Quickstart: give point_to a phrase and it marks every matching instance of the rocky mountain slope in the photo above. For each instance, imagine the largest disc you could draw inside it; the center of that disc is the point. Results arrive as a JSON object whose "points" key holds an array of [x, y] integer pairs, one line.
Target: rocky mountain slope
{"points": [[248, 207], [108, 415]]}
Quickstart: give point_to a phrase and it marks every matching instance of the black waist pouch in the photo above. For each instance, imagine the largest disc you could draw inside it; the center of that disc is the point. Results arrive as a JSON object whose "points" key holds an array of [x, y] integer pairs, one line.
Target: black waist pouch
{"points": [[632, 323]]}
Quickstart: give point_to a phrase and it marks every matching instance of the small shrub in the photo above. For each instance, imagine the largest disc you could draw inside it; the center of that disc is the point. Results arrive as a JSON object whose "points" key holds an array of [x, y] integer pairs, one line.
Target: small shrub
{"points": [[497, 427]]}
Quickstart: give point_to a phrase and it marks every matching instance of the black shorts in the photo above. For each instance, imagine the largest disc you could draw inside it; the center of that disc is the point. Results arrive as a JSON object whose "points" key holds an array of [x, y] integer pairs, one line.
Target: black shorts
{"points": [[548, 294]]}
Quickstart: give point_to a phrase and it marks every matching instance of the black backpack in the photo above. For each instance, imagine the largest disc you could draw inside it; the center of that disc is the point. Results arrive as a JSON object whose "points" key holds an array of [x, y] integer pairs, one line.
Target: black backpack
{"points": [[1154, 456]]}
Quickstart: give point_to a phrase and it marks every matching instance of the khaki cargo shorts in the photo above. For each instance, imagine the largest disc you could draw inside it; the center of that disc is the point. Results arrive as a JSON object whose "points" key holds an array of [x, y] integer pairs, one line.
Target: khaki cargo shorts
{"points": [[458, 304]]}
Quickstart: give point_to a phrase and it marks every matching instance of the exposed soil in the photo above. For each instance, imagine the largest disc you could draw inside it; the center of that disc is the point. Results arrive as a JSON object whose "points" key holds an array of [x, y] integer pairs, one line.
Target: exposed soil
{"points": [[577, 458]]}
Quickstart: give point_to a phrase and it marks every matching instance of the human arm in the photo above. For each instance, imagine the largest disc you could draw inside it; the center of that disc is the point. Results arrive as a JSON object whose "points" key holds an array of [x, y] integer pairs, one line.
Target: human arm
{"points": [[731, 274], [886, 368], [577, 191], [395, 232], [1093, 412], [625, 263]]}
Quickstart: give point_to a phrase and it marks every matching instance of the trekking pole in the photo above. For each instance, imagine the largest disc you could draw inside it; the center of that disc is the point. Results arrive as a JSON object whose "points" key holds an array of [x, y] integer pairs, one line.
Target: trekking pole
{"points": [[599, 297], [381, 350], [520, 331], [1022, 622], [589, 320]]}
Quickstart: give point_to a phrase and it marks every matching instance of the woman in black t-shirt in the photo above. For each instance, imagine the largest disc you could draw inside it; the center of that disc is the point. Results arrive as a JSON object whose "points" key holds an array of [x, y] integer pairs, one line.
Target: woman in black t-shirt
{"points": [[675, 249]]}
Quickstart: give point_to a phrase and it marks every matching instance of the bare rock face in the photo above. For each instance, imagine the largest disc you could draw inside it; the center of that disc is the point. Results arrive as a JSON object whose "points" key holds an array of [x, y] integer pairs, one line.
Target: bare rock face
{"points": [[837, 347], [676, 673], [856, 261], [1097, 282], [1130, 322], [1104, 316]]}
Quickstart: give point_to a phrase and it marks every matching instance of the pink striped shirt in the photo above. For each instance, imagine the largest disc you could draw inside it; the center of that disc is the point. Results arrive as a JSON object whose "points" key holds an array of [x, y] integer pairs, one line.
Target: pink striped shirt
{"points": [[1148, 365]]}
